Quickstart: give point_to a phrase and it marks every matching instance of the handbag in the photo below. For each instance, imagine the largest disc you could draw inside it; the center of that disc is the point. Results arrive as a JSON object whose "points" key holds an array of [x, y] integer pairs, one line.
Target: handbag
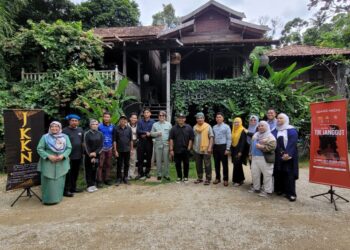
{"points": [[269, 156]]}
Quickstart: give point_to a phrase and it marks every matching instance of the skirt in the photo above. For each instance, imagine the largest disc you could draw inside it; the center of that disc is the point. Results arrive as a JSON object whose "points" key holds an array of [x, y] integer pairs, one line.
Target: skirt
{"points": [[52, 189]]}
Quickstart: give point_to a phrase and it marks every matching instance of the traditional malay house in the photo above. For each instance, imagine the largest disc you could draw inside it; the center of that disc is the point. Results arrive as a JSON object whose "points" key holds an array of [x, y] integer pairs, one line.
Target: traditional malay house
{"points": [[212, 42], [325, 72]]}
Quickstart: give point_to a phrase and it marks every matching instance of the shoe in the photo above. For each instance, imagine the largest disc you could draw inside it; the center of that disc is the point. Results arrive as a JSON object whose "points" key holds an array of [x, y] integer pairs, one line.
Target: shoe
{"points": [[225, 183], [108, 183], [263, 194], [185, 180], [167, 178], [207, 182], [94, 188], [216, 182], [292, 198], [148, 176], [138, 177], [143, 178], [117, 183], [198, 181], [252, 190], [99, 184], [126, 181], [279, 193], [178, 180], [68, 194], [90, 189], [159, 178], [236, 184]]}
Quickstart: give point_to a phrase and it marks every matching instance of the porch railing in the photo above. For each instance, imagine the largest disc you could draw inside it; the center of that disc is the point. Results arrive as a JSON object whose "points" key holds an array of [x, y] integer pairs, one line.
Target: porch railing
{"points": [[113, 75]]}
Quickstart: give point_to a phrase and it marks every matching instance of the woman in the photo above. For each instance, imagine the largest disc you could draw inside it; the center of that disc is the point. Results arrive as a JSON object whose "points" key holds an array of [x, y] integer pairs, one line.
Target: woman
{"points": [[263, 147], [253, 127], [239, 140], [54, 149], [286, 169], [93, 144]]}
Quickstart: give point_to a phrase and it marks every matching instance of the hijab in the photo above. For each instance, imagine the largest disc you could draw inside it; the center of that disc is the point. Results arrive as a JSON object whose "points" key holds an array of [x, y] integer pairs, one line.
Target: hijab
{"points": [[252, 128], [261, 136], [56, 142], [91, 122], [282, 129], [237, 131]]}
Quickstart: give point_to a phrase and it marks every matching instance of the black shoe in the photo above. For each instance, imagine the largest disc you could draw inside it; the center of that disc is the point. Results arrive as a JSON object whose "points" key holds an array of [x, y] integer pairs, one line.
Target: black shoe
{"points": [[126, 181], [99, 184], [68, 194], [159, 178], [292, 198], [117, 183], [148, 176], [166, 178], [138, 177]]}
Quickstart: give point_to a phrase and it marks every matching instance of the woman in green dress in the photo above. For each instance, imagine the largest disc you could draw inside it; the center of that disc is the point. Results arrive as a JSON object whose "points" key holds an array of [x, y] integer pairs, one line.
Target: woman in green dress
{"points": [[54, 149]]}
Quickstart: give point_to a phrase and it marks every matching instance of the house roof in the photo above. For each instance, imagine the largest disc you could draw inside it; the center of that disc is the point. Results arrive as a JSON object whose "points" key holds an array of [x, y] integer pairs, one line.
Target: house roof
{"points": [[126, 33], [242, 24], [305, 50], [220, 6]]}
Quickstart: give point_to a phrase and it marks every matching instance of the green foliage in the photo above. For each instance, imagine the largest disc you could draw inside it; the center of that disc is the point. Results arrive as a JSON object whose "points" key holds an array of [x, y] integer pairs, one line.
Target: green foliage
{"points": [[45, 10], [107, 13], [111, 100], [166, 16], [291, 33], [52, 46]]}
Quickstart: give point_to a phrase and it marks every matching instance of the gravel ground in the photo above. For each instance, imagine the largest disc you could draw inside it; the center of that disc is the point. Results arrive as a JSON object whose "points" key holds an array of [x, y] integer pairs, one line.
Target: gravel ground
{"points": [[177, 216]]}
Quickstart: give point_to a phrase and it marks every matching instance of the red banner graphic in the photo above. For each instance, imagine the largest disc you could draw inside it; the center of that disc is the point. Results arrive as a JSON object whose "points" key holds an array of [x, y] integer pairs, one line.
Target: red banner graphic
{"points": [[329, 163]]}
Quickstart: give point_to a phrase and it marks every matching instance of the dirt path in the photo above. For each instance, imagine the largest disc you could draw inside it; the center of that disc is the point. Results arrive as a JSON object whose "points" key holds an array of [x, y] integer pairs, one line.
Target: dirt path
{"points": [[176, 216]]}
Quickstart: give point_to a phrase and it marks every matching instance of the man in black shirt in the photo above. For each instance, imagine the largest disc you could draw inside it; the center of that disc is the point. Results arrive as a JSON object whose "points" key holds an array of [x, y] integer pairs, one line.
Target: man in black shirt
{"points": [[181, 140], [75, 134], [122, 145]]}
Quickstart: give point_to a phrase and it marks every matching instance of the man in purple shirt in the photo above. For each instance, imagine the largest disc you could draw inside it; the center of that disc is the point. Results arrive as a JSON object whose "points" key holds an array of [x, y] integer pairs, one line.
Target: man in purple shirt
{"points": [[145, 144]]}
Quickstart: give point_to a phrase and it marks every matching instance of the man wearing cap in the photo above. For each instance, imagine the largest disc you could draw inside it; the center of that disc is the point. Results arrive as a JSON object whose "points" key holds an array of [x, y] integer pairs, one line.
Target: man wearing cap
{"points": [[122, 145], [160, 131], [180, 143], [75, 134], [145, 144], [202, 146]]}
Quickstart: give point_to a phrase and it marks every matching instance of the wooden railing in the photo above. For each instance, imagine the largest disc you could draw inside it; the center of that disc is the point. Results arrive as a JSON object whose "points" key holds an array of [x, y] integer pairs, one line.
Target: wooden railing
{"points": [[113, 75]]}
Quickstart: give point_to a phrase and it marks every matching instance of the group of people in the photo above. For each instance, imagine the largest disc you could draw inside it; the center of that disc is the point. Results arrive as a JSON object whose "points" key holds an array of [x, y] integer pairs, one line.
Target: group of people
{"points": [[269, 146]]}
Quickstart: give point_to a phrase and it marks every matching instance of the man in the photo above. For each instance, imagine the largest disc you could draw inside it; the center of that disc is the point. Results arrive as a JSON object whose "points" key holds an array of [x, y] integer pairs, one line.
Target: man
{"points": [[106, 155], [221, 149], [75, 134], [145, 144], [180, 143], [202, 146], [271, 118], [160, 130], [122, 144], [132, 164]]}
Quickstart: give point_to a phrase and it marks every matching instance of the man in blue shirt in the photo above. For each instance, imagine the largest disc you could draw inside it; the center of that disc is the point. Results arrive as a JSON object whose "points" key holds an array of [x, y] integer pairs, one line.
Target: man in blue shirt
{"points": [[222, 144], [271, 118], [106, 154], [145, 144]]}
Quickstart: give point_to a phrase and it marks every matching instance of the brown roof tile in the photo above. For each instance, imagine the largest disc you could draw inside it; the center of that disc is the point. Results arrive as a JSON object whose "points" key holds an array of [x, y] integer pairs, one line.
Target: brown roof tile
{"points": [[136, 31], [305, 50]]}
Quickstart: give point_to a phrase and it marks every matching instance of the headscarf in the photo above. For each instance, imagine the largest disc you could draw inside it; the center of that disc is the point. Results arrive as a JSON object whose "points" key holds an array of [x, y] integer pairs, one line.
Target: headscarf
{"points": [[282, 129], [56, 142], [252, 128], [237, 131], [91, 122], [260, 136]]}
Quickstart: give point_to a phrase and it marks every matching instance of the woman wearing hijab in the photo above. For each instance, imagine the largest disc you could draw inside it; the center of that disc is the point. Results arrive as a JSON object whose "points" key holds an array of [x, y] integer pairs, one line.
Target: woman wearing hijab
{"points": [[263, 147], [286, 169], [54, 149], [253, 127], [239, 140], [93, 144]]}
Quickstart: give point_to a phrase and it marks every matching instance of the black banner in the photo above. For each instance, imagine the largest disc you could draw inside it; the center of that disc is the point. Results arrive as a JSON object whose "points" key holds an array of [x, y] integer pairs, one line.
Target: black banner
{"points": [[23, 130]]}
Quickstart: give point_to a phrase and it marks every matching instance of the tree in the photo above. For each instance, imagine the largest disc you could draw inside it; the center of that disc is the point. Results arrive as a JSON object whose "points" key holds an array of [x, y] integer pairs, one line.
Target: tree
{"points": [[107, 13], [335, 6], [166, 17], [46, 10], [52, 47], [274, 23], [291, 34]]}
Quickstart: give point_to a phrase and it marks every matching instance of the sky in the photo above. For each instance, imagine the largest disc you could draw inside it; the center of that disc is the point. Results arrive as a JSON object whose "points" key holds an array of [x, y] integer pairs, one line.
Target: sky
{"points": [[283, 9]]}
